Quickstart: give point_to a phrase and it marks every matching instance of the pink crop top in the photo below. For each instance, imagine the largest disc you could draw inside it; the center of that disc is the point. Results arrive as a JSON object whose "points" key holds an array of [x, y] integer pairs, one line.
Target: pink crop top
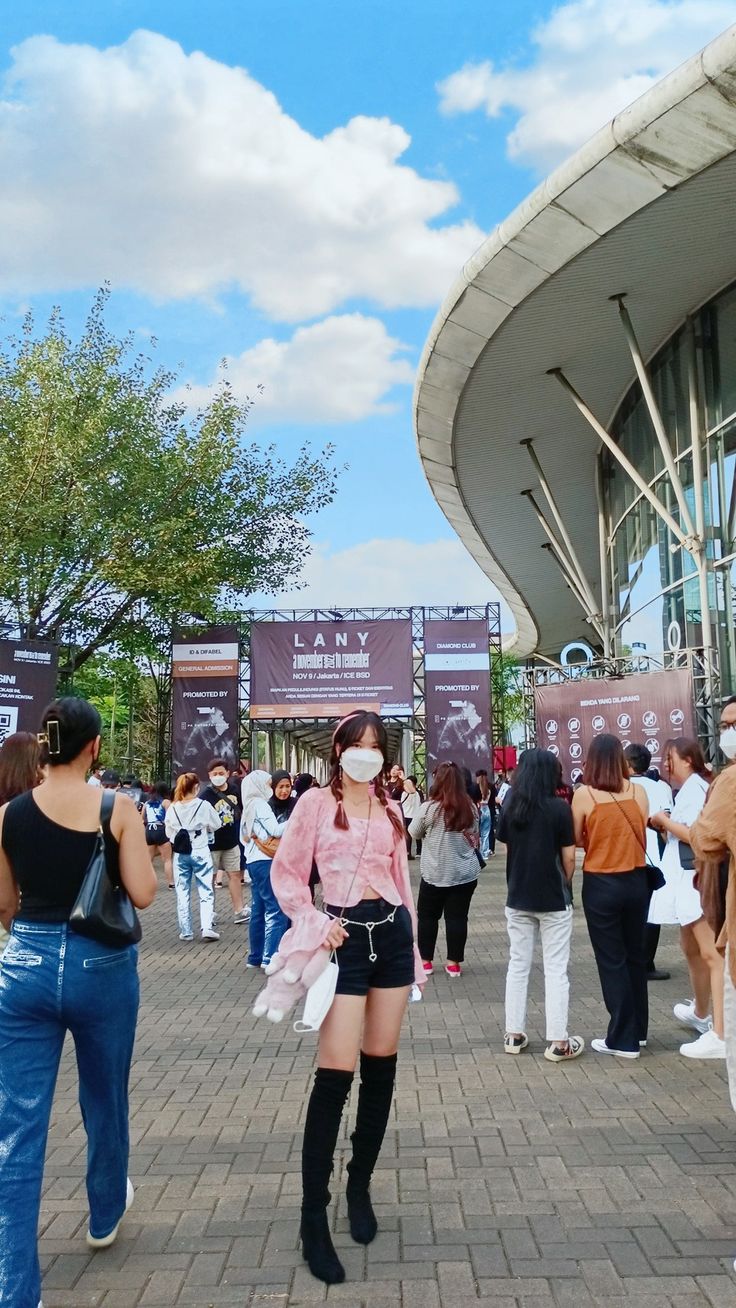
{"points": [[311, 835]]}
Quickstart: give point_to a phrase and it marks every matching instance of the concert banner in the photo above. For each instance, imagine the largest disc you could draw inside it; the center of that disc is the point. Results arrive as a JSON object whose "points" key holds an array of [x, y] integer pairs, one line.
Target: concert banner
{"points": [[647, 708], [205, 700], [458, 693], [27, 684], [325, 669]]}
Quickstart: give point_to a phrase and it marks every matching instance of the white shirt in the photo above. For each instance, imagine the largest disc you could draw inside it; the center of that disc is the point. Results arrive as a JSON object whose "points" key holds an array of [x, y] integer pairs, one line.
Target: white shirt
{"points": [[93, 781], [687, 807], [411, 804], [503, 791], [197, 817], [660, 797]]}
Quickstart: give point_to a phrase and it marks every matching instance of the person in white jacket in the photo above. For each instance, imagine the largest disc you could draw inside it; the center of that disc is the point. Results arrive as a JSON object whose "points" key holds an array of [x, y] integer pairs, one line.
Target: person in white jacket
{"points": [[197, 819], [260, 829]]}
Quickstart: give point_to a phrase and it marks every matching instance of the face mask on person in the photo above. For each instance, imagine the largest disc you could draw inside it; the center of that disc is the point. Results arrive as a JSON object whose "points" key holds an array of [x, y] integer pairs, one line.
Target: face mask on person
{"points": [[362, 764], [218, 780], [727, 742]]}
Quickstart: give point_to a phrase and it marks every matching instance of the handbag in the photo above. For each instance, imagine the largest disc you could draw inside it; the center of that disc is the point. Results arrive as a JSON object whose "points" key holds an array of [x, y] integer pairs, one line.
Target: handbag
{"points": [[103, 910], [476, 851]]}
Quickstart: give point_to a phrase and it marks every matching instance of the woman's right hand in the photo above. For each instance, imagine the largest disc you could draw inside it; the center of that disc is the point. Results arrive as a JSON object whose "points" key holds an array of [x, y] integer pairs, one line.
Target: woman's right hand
{"points": [[335, 936]]}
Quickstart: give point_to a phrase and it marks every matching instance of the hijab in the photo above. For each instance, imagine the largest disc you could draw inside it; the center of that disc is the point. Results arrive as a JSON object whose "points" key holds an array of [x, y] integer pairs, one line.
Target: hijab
{"points": [[281, 807], [303, 783], [256, 786]]}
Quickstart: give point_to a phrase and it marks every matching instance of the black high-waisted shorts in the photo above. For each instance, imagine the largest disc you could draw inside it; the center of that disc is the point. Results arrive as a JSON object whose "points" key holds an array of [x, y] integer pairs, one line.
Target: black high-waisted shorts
{"points": [[393, 946]]}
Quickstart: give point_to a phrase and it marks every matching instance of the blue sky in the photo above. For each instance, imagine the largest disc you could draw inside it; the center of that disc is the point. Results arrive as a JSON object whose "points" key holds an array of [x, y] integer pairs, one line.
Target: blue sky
{"points": [[295, 186]]}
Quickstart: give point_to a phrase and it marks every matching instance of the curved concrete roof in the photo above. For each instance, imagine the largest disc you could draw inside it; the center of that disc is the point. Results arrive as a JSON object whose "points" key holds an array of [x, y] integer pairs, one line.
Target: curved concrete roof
{"points": [[645, 208]]}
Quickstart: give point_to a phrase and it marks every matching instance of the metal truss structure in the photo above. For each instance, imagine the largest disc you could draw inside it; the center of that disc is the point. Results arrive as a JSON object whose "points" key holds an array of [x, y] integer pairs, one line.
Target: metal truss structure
{"points": [[311, 736], [700, 662]]}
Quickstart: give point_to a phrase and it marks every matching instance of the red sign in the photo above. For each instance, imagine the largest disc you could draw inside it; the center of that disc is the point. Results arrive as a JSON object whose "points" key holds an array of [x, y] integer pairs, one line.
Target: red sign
{"points": [[325, 669], [647, 708]]}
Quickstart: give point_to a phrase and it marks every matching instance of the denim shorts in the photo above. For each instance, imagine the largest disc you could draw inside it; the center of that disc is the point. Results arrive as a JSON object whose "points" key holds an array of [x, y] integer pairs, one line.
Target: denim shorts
{"points": [[393, 946]]}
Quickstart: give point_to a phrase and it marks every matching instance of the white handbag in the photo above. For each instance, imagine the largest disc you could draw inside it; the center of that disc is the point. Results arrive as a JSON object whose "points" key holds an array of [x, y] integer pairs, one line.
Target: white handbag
{"points": [[319, 997]]}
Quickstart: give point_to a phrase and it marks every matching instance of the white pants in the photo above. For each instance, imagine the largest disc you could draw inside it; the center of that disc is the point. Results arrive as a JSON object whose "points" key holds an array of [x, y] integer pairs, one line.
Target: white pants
{"points": [[729, 1023], [555, 930]]}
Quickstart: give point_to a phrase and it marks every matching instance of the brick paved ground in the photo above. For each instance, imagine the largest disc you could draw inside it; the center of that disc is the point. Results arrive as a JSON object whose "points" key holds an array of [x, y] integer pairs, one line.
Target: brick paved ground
{"points": [[504, 1181]]}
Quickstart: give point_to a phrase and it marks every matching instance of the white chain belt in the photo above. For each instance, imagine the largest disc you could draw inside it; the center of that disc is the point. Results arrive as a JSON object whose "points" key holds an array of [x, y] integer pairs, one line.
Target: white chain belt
{"points": [[369, 926]]}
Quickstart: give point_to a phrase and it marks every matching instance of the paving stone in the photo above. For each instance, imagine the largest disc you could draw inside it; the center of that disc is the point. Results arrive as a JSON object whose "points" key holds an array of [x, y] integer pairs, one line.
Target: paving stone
{"points": [[503, 1181]]}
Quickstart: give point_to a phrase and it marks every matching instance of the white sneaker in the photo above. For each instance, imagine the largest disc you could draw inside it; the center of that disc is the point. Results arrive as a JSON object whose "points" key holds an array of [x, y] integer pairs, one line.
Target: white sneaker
{"points": [[210, 935], [104, 1241], [708, 1045], [182, 936], [601, 1047], [685, 1013], [242, 916]]}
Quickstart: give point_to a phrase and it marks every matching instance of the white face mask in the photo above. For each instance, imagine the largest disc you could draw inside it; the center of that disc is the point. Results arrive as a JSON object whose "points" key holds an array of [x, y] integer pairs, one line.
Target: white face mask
{"points": [[318, 1001], [361, 764], [727, 742], [218, 781]]}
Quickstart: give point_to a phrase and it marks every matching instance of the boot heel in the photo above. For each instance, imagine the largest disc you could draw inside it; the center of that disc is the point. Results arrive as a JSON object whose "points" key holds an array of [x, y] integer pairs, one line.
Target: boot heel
{"points": [[318, 1249], [363, 1224]]}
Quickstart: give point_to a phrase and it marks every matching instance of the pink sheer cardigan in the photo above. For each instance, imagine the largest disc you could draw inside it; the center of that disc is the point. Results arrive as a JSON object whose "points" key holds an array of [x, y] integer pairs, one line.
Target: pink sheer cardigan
{"points": [[311, 835]]}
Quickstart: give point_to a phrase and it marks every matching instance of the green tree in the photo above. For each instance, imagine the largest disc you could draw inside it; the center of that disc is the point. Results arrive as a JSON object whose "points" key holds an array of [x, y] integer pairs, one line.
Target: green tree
{"points": [[121, 508], [507, 693]]}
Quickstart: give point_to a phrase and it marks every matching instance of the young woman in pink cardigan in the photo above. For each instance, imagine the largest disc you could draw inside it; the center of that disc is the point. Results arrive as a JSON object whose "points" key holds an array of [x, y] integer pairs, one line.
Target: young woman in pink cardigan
{"points": [[356, 835]]}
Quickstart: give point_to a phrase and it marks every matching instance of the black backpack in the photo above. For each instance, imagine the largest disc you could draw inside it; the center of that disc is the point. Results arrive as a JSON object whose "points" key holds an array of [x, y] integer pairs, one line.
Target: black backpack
{"points": [[182, 840]]}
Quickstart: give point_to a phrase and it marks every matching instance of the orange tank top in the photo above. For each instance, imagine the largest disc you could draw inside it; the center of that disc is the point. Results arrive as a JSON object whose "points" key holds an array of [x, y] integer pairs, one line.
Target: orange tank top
{"points": [[615, 836]]}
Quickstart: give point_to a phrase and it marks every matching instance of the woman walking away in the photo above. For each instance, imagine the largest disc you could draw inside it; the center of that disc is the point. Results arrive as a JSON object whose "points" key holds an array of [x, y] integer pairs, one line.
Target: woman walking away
{"points": [[155, 809], [411, 803], [356, 836], [610, 815], [536, 827], [53, 981], [189, 822], [260, 833], [448, 827], [679, 902]]}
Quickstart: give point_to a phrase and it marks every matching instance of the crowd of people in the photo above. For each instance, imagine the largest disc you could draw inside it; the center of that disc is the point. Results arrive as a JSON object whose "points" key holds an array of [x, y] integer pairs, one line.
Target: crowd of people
{"points": [[332, 919]]}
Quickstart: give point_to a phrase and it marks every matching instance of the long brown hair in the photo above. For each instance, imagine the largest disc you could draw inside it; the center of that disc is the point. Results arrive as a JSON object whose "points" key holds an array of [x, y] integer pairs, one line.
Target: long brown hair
{"points": [[20, 765], [605, 766], [448, 790], [185, 785], [347, 733], [690, 751]]}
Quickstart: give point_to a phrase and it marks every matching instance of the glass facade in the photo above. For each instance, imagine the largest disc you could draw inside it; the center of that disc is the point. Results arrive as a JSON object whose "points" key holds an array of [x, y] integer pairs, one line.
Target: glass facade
{"points": [[653, 584]]}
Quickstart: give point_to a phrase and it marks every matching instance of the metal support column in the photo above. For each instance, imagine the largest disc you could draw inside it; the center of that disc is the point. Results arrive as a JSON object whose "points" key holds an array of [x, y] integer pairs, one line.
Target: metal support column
{"points": [[603, 563], [570, 581], [570, 551], [592, 615], [620, 457], [655, 415], [700, 553]]}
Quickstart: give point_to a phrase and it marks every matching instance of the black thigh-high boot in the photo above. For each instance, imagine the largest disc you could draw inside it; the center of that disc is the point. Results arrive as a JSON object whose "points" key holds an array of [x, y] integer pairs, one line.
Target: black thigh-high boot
{"points": [[377, 1077], [326, 1103]]}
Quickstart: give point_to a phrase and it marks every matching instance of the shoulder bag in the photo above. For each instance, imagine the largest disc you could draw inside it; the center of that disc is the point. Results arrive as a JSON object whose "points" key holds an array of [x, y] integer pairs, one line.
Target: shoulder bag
{"points": [[655, 875], [103, 910]]}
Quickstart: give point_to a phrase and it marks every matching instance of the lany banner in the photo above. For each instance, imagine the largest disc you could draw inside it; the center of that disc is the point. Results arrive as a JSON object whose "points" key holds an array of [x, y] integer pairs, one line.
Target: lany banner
{"points": [[27, 684], [325, 669], [646, 708], [205, 700], [457, 675]]}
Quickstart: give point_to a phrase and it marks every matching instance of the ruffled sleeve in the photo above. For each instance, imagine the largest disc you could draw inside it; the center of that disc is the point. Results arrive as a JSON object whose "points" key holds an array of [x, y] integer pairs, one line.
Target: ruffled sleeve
{"points": [[290, 873]]}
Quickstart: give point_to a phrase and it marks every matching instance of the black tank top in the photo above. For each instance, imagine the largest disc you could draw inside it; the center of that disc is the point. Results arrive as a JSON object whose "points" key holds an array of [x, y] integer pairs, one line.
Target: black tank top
{"points": [[48, 860]]}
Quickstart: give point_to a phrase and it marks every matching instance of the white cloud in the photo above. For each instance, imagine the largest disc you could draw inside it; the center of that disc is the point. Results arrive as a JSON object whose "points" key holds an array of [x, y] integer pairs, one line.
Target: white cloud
{"points": [[177, 175], [392, 572], [592, 58], [337, 370]]}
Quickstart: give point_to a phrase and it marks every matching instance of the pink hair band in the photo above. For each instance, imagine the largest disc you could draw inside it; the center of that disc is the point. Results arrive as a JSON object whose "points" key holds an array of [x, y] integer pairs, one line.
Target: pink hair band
{"points": [[353, 714]]}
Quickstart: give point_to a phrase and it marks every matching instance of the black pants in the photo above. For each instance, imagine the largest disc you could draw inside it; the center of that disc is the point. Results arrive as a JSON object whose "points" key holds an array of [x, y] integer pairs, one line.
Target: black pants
{"points": [[616, 906], [454, 902], [651, 942]]}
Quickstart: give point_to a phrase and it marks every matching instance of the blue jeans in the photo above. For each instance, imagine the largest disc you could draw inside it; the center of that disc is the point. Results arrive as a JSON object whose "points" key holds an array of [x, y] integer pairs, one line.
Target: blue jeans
{"points": [[53, 981], [485, 831], [267, 922], [199, 867]]}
